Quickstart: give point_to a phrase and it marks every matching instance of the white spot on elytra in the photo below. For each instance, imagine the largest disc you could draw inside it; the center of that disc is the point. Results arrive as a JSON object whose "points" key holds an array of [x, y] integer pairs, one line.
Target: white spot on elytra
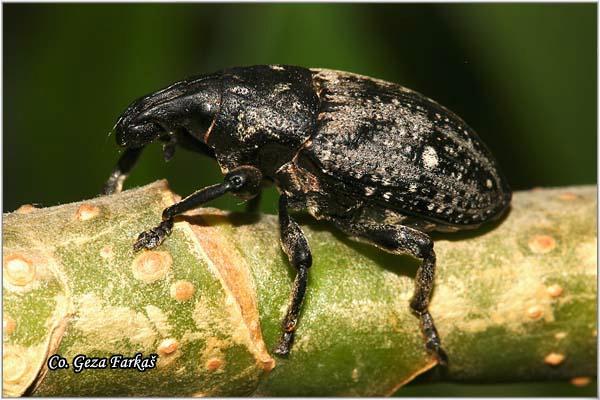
{"points": [[282, 87], [387, 195], [430, 158], [412, 187], [240, 90], [488, 184], [369, 191]]}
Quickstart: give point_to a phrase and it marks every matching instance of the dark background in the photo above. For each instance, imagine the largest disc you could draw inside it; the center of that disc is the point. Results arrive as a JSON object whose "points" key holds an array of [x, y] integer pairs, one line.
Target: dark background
{"points": [[522, 75]]}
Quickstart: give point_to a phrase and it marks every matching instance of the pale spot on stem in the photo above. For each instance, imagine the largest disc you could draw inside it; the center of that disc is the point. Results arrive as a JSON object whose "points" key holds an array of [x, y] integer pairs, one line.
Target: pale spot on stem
{"points": [[18, 270], [554, 290], [167, 346], [86, 212], [535, 312], [541, 244], [182, 290], [580, 381], [554, 359], [151, 266]]}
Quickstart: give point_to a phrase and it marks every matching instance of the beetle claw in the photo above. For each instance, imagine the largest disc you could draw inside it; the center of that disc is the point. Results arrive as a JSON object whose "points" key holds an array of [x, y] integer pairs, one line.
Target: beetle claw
{"points": [[284, 345], [439, 354], [442, 357]]}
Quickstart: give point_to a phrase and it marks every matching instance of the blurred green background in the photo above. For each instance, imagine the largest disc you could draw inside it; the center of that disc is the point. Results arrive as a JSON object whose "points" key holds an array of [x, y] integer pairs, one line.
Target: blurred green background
{"points": [[522, 75]]}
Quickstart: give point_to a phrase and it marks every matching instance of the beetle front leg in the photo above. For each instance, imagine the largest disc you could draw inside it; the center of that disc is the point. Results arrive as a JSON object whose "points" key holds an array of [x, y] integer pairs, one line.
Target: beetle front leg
{"points": [[126, 162], [295, 245], [402, 240], [243, 181]]}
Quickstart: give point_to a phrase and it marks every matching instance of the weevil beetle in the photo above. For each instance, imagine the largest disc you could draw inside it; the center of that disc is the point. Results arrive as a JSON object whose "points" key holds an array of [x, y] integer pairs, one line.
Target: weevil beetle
{"points": [[381, 162]]}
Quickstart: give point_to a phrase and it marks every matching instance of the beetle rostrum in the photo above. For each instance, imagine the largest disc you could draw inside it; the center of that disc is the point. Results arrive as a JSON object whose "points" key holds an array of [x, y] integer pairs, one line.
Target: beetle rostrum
{"points": [[382, 163]]}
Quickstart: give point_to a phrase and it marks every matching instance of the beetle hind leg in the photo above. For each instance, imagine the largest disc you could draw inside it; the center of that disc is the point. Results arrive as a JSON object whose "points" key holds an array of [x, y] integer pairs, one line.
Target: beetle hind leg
{"points": [[402, 240], [295, 245]]}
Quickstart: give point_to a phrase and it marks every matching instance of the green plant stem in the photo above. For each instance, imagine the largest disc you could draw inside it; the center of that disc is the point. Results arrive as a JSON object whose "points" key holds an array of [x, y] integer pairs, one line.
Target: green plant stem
{"points": [[514, 301]]}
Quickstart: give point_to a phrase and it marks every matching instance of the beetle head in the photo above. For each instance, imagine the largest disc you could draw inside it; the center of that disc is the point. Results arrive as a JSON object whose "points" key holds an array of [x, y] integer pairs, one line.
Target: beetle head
{"points": [[189, 105]]}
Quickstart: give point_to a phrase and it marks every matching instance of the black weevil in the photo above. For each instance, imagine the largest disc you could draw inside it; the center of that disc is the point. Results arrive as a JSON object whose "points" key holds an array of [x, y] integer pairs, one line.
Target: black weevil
{"points": [[381, 162]]}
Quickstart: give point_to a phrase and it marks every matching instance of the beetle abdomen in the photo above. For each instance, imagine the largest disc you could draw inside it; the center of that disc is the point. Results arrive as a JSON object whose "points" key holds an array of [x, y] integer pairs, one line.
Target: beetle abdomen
{"points": [[404, 151]]}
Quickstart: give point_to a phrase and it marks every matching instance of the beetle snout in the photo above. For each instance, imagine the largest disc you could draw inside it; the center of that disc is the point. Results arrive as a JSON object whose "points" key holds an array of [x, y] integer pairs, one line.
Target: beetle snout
{"points": [[137, 134]]}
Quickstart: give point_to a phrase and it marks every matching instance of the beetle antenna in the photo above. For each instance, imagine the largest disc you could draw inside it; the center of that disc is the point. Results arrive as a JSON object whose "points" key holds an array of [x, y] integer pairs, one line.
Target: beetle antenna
{"points": [[108, 136]]}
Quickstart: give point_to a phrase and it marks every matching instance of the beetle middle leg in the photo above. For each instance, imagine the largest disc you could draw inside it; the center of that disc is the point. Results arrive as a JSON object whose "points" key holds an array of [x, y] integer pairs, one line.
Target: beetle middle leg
{"points": [[243, 181], [399, 239], [295, 245], [253, 205]]}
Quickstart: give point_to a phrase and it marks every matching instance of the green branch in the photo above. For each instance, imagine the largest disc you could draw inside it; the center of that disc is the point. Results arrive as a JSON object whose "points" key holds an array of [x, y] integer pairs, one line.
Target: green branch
{"points": [[512, 302]]}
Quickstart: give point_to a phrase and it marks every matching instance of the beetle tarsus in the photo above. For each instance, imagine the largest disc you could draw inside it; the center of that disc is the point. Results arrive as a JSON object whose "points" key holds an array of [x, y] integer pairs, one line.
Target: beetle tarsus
{"points": [[285, 344], [153, 237], [432, 339]]}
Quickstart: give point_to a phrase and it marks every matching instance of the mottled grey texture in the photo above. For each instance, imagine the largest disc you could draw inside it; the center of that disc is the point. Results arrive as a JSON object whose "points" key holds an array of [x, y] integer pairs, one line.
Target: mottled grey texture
{"points": [[404, 151]]}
